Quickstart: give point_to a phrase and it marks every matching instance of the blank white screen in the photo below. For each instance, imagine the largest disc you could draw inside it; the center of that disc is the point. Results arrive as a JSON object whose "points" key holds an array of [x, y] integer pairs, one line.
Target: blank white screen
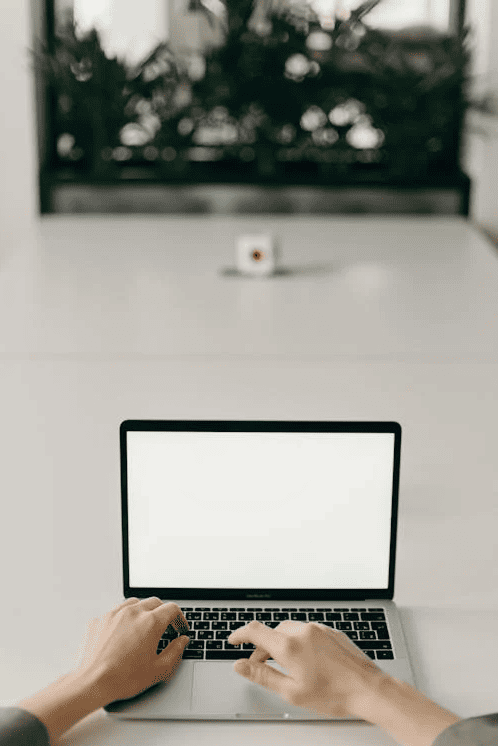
{"points": [[259, 510]]}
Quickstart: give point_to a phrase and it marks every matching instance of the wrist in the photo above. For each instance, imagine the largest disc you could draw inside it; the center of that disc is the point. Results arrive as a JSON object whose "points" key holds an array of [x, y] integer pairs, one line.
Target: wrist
{"points": [[403, 712], [66, 701]]}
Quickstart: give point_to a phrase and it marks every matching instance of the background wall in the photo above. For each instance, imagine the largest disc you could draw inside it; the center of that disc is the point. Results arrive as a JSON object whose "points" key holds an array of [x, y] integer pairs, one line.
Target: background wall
{"points": [[480, 159], [18, 180], [19, 211]]}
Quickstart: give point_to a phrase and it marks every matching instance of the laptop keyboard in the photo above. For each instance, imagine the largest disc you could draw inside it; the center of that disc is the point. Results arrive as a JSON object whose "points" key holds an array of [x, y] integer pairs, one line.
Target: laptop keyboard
{"points": [[210, 628]]}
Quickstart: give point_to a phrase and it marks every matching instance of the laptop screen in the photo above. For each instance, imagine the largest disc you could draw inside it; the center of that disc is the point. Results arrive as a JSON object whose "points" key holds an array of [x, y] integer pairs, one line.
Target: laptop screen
{"points": [[265, 510]]}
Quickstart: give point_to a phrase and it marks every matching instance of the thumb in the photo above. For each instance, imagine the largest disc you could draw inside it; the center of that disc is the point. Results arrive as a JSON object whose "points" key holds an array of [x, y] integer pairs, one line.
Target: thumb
{"points": [[170, 658], [176, 647]]}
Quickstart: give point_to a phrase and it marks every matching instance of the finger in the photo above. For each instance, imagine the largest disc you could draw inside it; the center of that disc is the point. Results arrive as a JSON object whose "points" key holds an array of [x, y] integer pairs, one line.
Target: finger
{"points": [[234, 640], [260, 655], [264, 675], [169, 659], [262, 636], [170, 614], [177, 625]]}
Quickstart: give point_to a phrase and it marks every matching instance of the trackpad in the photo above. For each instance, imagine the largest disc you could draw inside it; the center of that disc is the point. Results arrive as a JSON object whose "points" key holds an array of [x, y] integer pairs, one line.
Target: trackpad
{"points": [[218, 690]]}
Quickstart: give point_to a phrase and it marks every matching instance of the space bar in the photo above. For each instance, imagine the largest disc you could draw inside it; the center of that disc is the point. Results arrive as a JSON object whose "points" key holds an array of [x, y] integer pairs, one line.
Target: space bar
{"points": [[227, 655]]}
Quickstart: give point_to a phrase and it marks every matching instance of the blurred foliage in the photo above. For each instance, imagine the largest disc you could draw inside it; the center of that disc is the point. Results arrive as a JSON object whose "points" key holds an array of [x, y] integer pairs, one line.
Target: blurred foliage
{"points": [[97, 95], [273, 69]]}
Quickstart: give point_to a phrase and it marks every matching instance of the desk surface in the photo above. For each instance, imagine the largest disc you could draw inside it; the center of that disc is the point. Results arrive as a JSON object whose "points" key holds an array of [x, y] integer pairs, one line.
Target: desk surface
{"points": [[416, 288], [84, 346]]}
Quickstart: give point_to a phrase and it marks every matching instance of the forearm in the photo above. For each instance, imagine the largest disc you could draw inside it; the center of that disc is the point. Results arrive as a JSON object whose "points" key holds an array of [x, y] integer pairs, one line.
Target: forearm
{"points": [[405, 713], [64, 702]]}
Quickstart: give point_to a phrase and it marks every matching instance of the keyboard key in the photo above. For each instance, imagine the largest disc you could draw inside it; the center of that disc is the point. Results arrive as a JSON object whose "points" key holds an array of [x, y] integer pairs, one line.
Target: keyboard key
{"points": [[297, 617], [366, 617], [193, 654], [229, 615], [223, 634], [384, 655], [191, 616], [265, 615], [370, 653], [352, 635], [224, 625], [351, 617], [208, 615], [167, 640], [247, 616], [333, 617], [373, 644], [362, 625], [226, 655], [209, 635], [280, 616], [343, 625], [201, 625], [196, 645], [368, 635], [317, 617], [377, 625], [214, 645], [236, 625], [202, 608]]}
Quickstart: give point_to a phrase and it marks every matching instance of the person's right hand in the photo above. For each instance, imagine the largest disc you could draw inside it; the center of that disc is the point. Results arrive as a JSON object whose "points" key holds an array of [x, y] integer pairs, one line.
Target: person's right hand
{"points": [[328, 674]]}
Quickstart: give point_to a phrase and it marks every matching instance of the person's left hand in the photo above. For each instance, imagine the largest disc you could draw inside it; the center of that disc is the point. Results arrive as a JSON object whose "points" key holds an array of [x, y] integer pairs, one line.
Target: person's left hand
{"points": [[120, 648]]}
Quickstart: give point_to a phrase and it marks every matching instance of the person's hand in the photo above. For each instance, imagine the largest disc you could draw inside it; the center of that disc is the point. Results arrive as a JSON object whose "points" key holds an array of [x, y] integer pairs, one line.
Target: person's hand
{"points": [[327, 673], [121, 646]]}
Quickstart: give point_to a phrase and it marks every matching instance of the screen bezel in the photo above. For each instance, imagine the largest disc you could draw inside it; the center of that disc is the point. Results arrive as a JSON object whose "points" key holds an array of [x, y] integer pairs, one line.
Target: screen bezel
{"points": [[259, 594]]}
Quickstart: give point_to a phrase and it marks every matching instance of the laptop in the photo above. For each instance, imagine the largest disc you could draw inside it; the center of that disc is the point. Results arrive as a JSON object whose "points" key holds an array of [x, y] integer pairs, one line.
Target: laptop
{"points": [[264, 520]]}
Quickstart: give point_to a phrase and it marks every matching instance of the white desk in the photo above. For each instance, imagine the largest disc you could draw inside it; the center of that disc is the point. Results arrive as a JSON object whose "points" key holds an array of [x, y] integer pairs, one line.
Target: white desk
{"points": [[107, 319], [418, 289]]}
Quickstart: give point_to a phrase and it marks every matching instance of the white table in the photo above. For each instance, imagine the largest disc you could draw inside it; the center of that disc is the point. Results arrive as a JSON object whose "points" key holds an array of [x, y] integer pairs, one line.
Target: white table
{"points": [[107, 319], [109, 288]]}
